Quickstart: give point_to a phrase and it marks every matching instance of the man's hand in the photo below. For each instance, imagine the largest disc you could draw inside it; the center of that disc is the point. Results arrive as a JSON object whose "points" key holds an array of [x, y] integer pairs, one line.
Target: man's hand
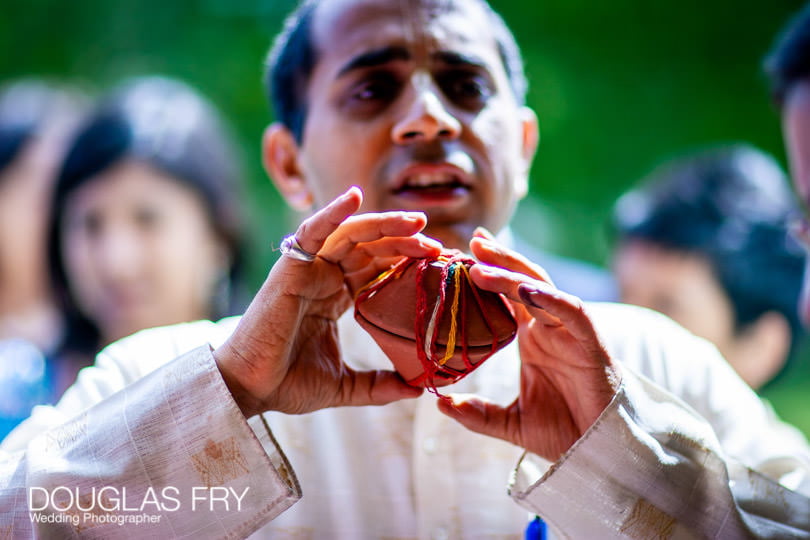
{"points": [[567, 377], [284, 355]]}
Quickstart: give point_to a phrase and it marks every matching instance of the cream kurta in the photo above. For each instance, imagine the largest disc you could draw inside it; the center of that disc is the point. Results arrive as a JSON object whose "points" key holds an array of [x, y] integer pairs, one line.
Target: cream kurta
{"points": [[651, 465]]}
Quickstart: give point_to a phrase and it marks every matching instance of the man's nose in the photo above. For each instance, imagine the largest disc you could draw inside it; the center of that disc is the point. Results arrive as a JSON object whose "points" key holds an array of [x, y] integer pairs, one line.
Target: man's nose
{"points": [[426, 119]]}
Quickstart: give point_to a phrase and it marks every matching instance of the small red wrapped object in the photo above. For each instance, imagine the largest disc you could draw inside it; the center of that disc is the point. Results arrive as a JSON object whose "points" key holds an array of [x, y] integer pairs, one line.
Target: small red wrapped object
{"points": [[432, 321]]}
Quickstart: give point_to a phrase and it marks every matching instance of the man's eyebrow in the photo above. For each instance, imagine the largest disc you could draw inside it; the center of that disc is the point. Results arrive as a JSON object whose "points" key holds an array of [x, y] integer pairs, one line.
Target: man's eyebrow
{"points": [[459, 59], [373, 58]]}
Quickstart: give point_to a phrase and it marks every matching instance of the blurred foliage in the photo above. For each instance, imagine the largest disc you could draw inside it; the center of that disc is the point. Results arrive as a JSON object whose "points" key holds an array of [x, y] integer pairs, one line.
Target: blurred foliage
{"points": [[618, 87]]}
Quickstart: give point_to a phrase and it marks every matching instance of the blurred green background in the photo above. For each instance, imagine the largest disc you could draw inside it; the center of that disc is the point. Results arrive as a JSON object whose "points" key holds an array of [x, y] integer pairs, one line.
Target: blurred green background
{"points": [[618, 86]]}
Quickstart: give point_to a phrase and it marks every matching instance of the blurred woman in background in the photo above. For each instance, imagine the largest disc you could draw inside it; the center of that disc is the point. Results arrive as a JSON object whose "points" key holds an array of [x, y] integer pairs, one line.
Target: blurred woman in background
{"points": [[705, 241], [146, 218]]}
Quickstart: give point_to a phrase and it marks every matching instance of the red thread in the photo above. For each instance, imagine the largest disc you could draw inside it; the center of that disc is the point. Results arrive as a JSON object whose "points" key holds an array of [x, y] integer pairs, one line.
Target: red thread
{"points": [[427, 309]]}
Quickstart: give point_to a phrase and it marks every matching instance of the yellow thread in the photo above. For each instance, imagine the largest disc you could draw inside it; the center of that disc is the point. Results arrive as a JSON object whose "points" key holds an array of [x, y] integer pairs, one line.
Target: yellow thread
{"points": [[375, 281], [451, 338]]}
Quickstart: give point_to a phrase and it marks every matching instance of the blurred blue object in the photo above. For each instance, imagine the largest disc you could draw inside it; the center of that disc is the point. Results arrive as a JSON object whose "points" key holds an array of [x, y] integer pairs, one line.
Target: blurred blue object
{"points": [[537, 529], [25, 381]]}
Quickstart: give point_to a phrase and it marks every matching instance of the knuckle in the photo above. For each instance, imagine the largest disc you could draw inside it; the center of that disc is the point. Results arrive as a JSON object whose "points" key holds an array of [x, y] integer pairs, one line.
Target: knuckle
{"points": [[304, 228]]}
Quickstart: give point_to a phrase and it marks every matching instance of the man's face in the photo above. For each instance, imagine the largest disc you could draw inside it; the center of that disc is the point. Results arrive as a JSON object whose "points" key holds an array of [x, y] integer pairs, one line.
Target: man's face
{"points": [[796, 127], [410, 101]]}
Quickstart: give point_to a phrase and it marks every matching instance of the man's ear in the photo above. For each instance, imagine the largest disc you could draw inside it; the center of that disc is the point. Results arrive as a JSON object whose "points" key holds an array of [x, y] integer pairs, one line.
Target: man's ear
{"points": [[280, 154], [530, 138], [531, 134]]}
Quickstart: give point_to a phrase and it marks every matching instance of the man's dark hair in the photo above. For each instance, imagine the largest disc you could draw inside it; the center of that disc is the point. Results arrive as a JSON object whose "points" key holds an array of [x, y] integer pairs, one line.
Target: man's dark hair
{"points": [[729, 205], [293, 57], [788, 61]]}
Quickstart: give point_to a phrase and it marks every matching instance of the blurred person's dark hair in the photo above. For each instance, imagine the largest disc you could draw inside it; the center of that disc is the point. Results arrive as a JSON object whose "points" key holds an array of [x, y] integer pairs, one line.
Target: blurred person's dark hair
{"points": [[168, 125], [293, 57], [789, 59], [730, 205], [29, 106]]}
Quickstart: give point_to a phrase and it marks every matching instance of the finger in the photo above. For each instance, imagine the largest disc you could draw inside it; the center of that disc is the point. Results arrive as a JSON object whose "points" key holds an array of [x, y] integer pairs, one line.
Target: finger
{"points": [[378, 387], [375, 226], [418, 246], [477, 414], [313, 232], [488, 251], [506, 282], [569, 309], [376, 266]]}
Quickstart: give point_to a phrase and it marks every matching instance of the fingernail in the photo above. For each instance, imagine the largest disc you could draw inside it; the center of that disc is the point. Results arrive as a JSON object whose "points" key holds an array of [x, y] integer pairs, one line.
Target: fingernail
{"points": [[453, 400], [487, 241], [482, 232], [348, 193], [430, 242], [530, 295], [414, 217], [427, 243], [462, 400], [489, 270]]}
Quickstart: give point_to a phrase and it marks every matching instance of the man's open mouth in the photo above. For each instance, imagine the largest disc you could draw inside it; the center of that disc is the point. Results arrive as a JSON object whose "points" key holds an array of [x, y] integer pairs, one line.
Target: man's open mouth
{"points": [[429, 181]]}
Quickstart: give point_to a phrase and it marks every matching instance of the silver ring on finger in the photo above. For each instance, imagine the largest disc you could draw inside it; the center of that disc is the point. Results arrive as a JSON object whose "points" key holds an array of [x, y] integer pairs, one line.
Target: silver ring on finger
{"points": [[291, 248]]}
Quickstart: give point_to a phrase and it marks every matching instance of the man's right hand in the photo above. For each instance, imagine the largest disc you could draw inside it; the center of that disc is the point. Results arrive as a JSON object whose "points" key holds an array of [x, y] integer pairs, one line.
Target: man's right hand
{"points": [[284, 355]]}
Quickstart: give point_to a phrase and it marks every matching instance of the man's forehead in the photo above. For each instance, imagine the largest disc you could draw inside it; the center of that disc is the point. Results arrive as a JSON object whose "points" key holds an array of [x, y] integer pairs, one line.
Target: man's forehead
{"points": [[342, 22], [406, 8]]}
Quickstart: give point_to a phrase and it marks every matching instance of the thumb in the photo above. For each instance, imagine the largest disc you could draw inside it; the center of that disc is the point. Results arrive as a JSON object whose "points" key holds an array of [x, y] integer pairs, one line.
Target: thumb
{"points": [[476, 414], [376, 388]]}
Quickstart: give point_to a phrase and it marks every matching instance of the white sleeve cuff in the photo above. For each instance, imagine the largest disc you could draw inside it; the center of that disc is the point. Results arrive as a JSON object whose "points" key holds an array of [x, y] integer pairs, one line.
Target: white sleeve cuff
{"points": [[650, 466]]}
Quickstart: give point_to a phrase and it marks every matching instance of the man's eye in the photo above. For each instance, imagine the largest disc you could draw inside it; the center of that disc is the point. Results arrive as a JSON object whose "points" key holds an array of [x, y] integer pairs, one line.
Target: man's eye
{"points": [[377, 88], [466, 89], [368, 92], [372, 94]]}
